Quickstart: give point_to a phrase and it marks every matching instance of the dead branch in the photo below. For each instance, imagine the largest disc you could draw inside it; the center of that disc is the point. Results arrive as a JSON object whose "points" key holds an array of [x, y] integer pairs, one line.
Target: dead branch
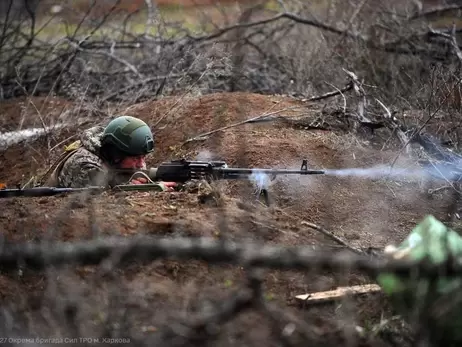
{"points": [[394, 126], [435, 11], [424, 124], [40, 256], [338, 293], [451, 38], [111, 56], [359, 90], [203, 136], [347, 88], [332, 236], [286, 15]]}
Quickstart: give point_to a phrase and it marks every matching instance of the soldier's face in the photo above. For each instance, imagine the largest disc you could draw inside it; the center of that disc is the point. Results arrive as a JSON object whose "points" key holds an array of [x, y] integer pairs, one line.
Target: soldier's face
{"points": [[137, 162]]}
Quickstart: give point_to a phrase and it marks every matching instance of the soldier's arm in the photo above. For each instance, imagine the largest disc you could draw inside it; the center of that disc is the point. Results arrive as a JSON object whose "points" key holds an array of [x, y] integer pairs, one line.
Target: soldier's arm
{"points": [[91, 174], [83, 174]]}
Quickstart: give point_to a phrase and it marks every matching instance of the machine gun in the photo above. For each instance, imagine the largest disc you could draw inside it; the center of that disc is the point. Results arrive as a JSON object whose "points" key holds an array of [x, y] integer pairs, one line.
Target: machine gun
{"points": [[179, 171], [182, 170]]}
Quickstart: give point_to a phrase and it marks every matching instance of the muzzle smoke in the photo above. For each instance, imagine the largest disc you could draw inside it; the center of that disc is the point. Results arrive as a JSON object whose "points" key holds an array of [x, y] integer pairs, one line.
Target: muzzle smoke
{"points": [[380, 171], [430, 171], [204, 155], [261, 180]]}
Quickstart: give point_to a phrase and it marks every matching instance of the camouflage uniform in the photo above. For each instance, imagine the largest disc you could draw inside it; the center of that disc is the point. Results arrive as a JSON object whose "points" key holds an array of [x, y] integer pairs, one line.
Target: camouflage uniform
{"points": [[82, 167]]}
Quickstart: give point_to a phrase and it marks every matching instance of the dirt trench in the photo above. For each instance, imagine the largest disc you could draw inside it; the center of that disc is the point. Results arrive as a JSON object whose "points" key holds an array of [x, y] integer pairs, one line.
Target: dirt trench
{"points": [[364, 212]]}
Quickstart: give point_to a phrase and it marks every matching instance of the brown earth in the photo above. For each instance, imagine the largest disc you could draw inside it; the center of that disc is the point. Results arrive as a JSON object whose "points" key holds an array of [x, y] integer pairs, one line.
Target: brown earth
{"points": [[364, 212]]}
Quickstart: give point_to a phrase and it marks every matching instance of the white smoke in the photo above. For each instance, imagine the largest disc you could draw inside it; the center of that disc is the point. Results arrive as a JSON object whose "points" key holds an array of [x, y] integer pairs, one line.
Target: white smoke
{"points": [[262, 180], [204, 155], [380, 171], [10, 138], [383, 171]]}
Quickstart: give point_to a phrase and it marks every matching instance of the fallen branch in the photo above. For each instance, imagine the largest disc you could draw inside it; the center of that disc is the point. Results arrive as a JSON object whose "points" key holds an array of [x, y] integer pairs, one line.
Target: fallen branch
{"points": [[93, 252], [340, 292], [347, 88], [434, 11], [332, 236], [436, 190], [451, 38], [203, 136]]}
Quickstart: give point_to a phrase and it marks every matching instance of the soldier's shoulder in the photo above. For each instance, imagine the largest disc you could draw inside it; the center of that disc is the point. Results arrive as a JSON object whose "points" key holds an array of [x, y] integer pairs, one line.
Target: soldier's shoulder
{"points": [[82, 157], [83, 168]]}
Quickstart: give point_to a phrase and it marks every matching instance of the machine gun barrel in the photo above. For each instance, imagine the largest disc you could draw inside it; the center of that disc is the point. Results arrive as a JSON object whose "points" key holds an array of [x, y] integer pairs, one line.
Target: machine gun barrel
{"points": [[183, 170], [234, 173]]}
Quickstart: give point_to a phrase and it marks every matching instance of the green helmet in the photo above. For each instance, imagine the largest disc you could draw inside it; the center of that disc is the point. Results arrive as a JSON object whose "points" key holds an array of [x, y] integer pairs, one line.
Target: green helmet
{"points": [[129, 135]]}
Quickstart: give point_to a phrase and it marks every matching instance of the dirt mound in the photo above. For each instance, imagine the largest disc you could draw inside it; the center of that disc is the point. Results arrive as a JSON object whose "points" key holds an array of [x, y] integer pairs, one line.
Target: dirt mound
{"points": [[345, 204], [366, 212]]}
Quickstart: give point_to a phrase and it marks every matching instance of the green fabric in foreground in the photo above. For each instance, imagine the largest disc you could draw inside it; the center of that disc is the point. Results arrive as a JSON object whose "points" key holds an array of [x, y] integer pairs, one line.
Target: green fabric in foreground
{"points": [[412, 296]]}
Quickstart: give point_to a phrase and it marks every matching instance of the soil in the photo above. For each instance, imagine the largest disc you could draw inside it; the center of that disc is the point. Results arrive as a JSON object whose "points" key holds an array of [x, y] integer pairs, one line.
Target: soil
{"points": [[366, 212]]}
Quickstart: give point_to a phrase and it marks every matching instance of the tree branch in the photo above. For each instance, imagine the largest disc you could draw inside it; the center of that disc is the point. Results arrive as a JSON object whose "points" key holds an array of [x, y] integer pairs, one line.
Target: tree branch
{"points": [[286, 15]]}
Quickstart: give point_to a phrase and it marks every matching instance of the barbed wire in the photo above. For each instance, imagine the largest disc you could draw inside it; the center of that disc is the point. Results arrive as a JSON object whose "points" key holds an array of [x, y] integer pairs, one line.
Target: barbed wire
{"points": [[92, 252]]}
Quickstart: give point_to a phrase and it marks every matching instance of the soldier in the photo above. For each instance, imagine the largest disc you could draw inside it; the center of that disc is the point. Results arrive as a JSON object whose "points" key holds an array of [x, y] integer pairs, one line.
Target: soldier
{"points": [[122, 144]]}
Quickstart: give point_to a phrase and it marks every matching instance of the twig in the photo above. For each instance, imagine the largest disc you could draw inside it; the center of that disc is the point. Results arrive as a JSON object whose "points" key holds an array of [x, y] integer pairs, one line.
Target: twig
{"points": [[424, 124], [452, 40], [359, 90], [140, 83], [438, 10], [253, 119], [284, 15], [394, 124], [432, 191], [190, 88], [348, 87], [343, 96], [331, 236], [131, 67]]}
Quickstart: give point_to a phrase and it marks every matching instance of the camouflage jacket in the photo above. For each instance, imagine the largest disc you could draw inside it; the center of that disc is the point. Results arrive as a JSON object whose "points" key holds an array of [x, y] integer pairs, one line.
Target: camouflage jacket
{"points": [[82, 167]]}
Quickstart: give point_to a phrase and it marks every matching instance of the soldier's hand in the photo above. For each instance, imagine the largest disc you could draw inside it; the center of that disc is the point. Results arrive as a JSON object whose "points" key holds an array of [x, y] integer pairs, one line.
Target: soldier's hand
{"points": [[139, 180], [170, 186]]}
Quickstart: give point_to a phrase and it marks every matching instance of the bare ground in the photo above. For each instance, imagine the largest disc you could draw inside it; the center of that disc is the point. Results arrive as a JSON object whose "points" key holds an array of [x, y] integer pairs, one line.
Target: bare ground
{"points": [[364, 212]]}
